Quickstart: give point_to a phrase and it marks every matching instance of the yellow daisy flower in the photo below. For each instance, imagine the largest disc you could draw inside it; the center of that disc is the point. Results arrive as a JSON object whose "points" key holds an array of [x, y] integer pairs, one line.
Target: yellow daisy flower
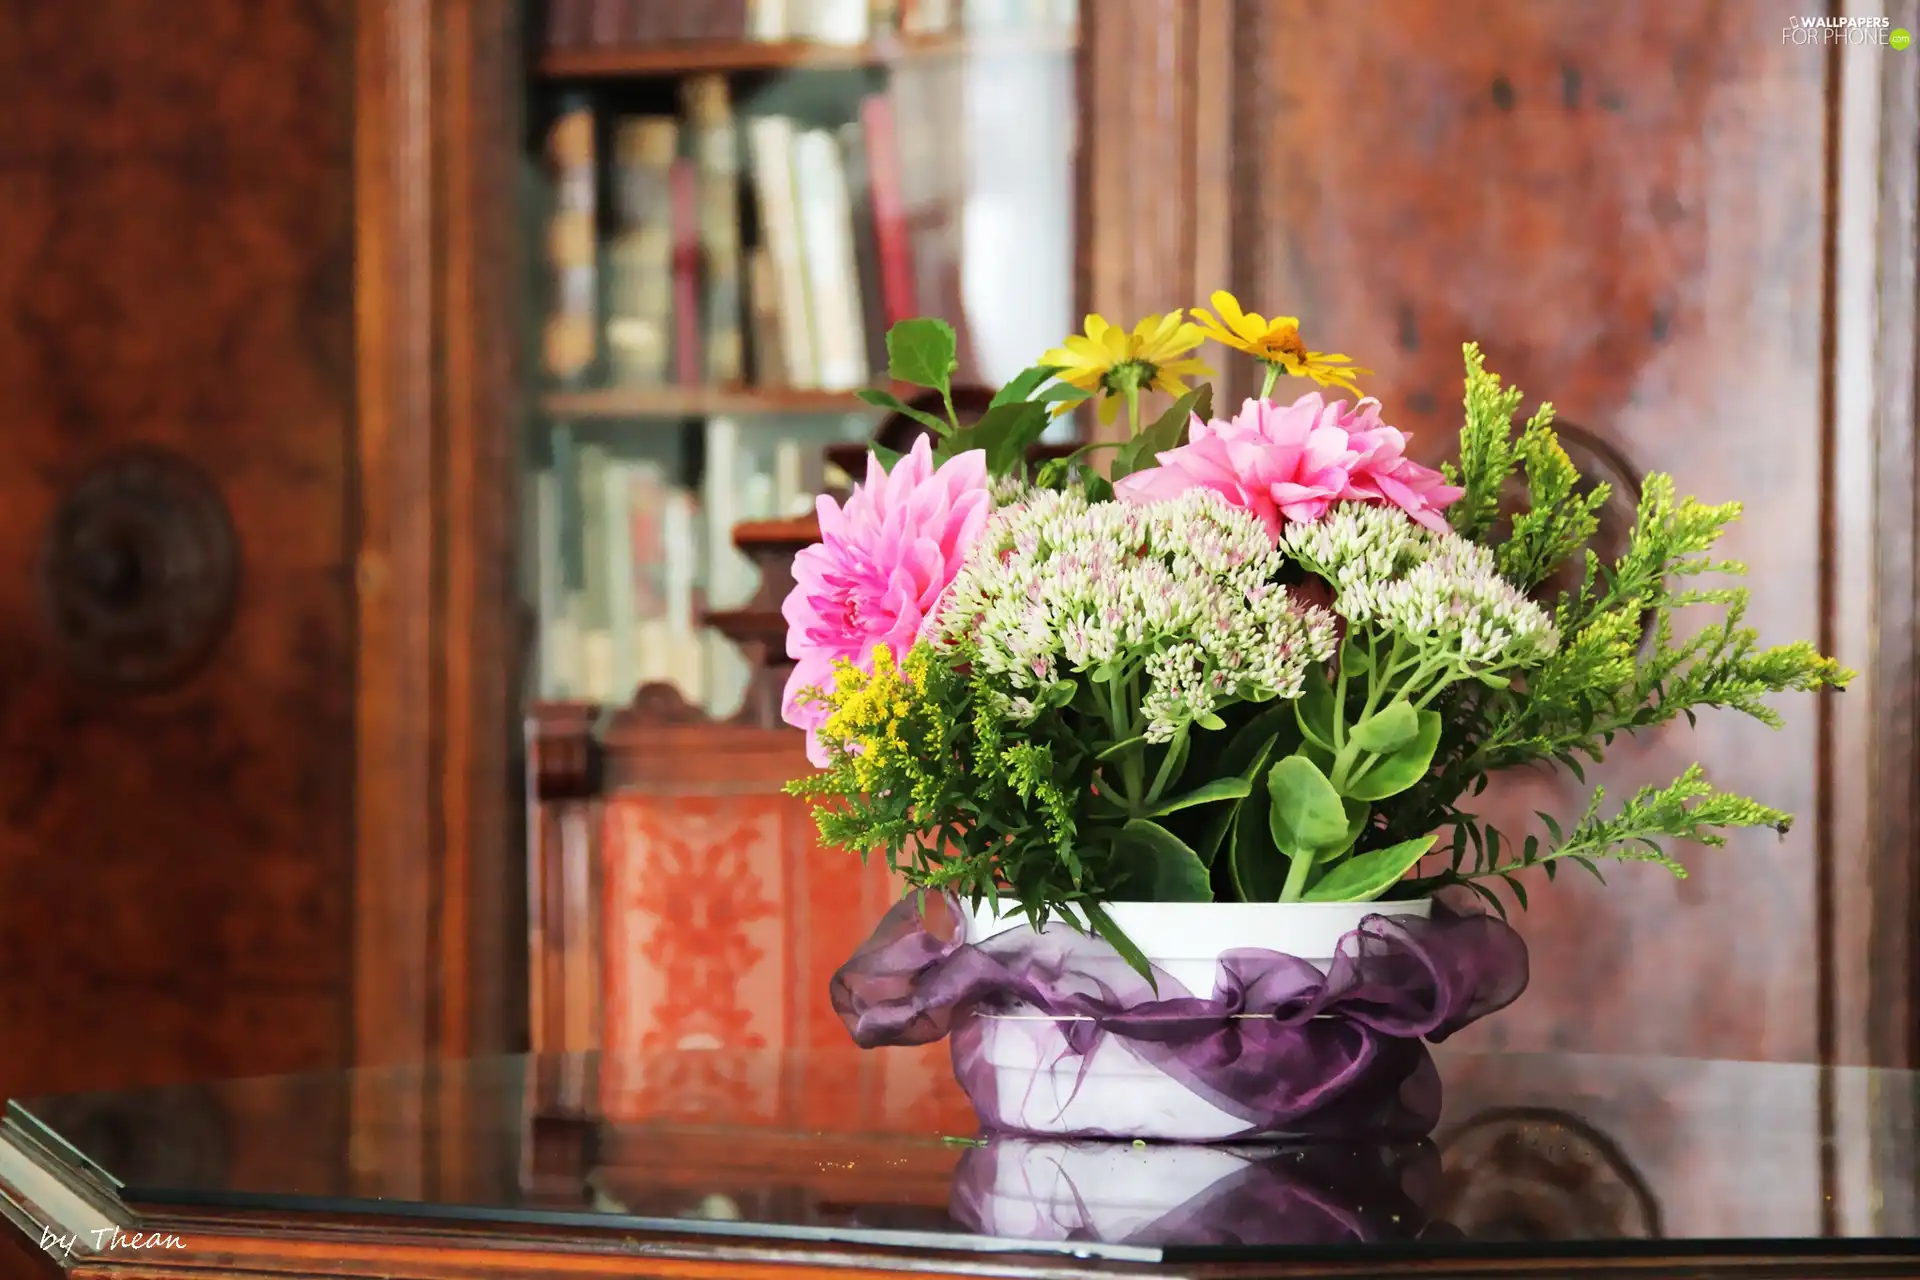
{"points": [[1276, 343], [1110, 362]]}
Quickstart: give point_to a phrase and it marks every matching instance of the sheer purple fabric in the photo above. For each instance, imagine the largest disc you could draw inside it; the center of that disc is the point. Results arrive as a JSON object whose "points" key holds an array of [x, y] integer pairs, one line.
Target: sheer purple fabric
{"points": [[1319, 1194], [1276, 1045]]}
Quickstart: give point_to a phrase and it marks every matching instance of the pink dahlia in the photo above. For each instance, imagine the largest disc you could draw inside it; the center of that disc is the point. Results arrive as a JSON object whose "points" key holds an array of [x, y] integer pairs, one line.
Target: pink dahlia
{"points": [[879, 568], [1382, 472], [1281, 462], [1289, 463]]}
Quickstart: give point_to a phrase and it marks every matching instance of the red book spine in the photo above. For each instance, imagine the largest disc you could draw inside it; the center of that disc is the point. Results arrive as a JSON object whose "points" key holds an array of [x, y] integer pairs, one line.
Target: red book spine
{"points": [[568, 23], [895, 249], [684, 183]]}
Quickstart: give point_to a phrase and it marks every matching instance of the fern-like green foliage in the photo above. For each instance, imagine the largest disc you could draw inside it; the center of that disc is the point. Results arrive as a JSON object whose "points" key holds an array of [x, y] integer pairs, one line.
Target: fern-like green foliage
{"points": [[1623, 665]]}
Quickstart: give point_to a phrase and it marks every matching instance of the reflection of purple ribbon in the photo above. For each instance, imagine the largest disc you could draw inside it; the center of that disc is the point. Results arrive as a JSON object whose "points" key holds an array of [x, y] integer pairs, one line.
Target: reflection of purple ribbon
{"points": [[1279, 1045], [1322, 1194]]}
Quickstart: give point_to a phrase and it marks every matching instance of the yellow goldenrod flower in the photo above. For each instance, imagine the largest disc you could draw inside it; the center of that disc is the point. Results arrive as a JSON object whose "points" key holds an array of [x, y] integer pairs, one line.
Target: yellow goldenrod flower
{"points": [[1109, 362], [1276, 343]]}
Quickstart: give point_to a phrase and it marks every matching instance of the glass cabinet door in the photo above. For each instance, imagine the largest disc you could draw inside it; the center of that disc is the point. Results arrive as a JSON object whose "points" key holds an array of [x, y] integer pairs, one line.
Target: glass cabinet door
{"points": [[736, 198]]}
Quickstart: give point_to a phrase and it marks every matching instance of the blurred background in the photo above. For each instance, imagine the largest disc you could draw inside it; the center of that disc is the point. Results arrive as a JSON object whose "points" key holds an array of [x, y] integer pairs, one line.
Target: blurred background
{"points": [[411, 407]]}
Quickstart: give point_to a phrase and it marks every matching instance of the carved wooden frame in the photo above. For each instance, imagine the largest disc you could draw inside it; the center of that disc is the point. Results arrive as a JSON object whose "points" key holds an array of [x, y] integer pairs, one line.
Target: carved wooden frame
{"points": [[435, 100]]}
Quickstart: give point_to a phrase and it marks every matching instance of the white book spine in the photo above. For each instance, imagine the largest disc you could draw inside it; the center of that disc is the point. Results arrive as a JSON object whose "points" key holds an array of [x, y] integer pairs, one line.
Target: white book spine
{"points": [[790, 497], [621, 604], [771, 141], [826, 232], [767, 20], [680, 541], [549, 595], [841, 22]]}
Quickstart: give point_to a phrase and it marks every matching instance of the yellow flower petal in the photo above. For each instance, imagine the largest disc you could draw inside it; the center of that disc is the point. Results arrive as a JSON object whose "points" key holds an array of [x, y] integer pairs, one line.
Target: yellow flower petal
{"points": [[1229, 308]]}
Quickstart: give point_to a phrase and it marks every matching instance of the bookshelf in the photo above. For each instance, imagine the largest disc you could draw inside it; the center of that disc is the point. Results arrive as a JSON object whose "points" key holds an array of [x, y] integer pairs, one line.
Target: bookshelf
{"points": [[690, 58], [671, 403], [735, 199]]}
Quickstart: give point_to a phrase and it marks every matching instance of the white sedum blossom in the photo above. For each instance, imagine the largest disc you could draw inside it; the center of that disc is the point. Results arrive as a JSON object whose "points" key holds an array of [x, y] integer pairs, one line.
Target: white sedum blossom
{"points": [[1437, 590], [1181, 592]]}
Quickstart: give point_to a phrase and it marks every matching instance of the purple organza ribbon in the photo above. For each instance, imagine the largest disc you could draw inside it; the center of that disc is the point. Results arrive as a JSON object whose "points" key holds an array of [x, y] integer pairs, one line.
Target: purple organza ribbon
{"points": [[1278, 1044]]}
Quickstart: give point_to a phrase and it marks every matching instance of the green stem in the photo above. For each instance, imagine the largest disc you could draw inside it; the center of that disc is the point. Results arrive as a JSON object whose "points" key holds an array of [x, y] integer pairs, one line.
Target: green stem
{"points": [[1299, 867], [1133, 411], [1160, 778], [946, 395], [1267, 384]]}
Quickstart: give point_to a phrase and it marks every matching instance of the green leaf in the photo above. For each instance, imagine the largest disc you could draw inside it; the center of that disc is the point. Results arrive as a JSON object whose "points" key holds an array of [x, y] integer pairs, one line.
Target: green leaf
{"points": [[1061, 694], [1353, 657], [1022, 386], [921, 353], [1405, 767], [1389, 728], [1208, 793], [1169, 431], [1171, 870], [1358, 811], [1259, 870], [1136, 959], [1313, 709], [1255, 741], [1063, 393], [1366, 876], [888, 400], [1003, 433], [1208, 720], [1245, 756], [888, 457], [1306, 815], [1096, 486], [1493, 681]]}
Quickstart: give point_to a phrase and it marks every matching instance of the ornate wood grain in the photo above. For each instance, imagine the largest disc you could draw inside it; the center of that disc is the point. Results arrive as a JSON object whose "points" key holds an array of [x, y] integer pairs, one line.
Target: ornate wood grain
{"points": [[176, 250], [1159, 154]]}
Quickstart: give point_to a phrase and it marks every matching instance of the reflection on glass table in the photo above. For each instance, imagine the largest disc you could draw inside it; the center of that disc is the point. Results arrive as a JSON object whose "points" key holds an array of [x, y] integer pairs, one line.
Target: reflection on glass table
{"points": [[1536, 1158]]}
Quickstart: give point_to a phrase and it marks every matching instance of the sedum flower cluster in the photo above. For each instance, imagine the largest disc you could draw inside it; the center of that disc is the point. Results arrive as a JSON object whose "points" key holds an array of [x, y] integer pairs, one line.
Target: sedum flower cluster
{"points": [[1438, 592], [1185, 591]]}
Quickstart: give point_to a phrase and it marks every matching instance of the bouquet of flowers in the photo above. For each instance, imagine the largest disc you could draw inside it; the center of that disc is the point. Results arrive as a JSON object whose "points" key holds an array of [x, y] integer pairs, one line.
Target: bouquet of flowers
{"points": [[1264, 657]]}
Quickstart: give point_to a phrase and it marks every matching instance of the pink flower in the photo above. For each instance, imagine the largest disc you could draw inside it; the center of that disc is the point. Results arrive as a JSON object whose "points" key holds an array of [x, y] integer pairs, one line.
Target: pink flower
{"points": [[1381, 471], [1282, 463], [1290, 463], [879, 568]]}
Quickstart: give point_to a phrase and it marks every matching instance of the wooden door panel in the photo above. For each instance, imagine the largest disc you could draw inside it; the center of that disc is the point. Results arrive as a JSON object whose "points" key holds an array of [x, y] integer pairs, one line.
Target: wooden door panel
{"points": [[1623, 203], [176, 266]]}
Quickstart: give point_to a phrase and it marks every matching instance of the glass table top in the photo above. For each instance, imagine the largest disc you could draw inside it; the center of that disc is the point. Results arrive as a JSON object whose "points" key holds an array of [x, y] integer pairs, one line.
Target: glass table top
{"points": [[1534, 1154]]}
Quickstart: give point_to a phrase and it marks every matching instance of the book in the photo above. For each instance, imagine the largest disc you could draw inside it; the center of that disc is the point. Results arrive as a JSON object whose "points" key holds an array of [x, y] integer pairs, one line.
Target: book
{"points": [[892, 243], [763, 320], [569, 23], [688, 366], [839, 22], [826, 236], [767, 20], [770, 142], [568, 340], [617, 512], [866, 245], [640, 285], [715, 143], [926, 98]]}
